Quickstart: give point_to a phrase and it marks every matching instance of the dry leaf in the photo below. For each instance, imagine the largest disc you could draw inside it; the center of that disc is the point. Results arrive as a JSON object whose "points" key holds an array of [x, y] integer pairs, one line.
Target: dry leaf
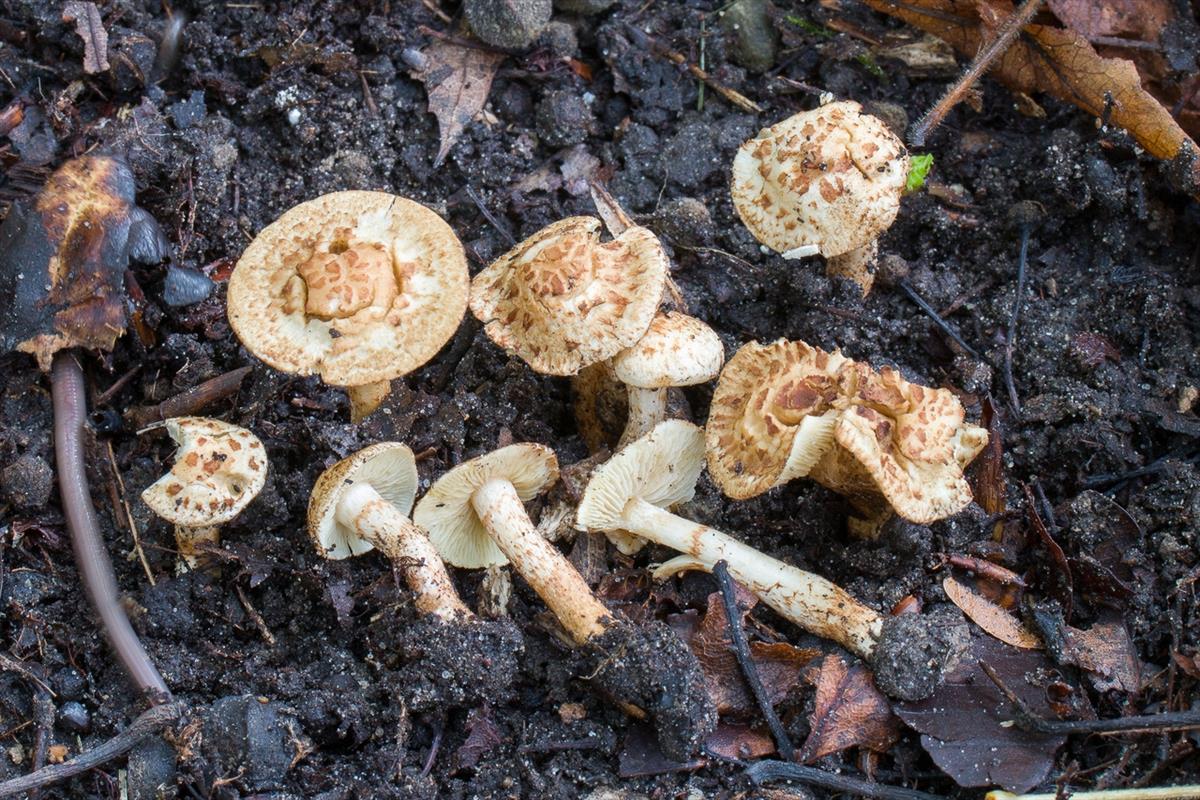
{"points": [[641, 756], [89, 27], [732, 740], [482, 736], [1106, 652], [1142, 20], [849, 711], [1062, 63], [457, 80], [989, 616], [966, 725]]}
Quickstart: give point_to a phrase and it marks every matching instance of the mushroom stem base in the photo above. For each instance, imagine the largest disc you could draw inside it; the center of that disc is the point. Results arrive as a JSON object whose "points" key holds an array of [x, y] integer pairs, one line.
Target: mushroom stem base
{"points": [[647, 408], [541, 564], [406, 546], [808, 600], [189, 541], [366, 398]]}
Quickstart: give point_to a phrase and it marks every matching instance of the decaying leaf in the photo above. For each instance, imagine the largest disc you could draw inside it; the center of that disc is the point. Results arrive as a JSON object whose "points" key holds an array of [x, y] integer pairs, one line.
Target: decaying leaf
{"points": [[482, 736], [989, 616], [849, 711], [641, 756], [457, 80], [733, 740], [63, 259], [779, 664], [966, 724], [91, 29], [1141, 20], [1060, 62], [1104, 650]]}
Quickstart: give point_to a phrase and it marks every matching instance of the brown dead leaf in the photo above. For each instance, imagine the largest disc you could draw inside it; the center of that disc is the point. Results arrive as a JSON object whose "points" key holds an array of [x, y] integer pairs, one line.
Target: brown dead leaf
{"points": [[482, 736], [1106, 652], [1142, 20], [849, 711], [778, 664], [989, 616], [1060, 62], [733, 740], [457, 80], [91, 29]]}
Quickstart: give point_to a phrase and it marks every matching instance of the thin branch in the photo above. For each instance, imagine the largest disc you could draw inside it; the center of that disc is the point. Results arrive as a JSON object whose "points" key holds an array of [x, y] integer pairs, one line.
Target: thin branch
{"points": [[946, 327], [737, 98], [776, 771], [1010, 339]]}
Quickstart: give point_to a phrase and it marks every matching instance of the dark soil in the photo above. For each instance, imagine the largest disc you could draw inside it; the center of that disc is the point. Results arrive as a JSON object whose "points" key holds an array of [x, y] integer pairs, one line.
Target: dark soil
{"points": [[269, 104]]}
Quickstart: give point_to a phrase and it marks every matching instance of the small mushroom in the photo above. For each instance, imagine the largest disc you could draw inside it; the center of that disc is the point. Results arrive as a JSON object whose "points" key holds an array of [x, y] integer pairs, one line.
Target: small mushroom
{"points": [[677, 350], [789, 410], [476, 518], [562, 299], [219, 468], [357, 287], [362, 503], [826, 181], [632, 493]]}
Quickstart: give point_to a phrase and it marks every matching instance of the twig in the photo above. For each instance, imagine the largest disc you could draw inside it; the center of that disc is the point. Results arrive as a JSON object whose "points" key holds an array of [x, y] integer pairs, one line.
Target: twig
{"points": [[946, 327], [255, 617], [1108, 479], [1010, 338], [133, 528], [741, 650], [483, 209], [591, 743], [118, 385], [979, 65], [1028, 720], [150, 721], [95, 569], [190, 401], [738, 99], [775, 771]]}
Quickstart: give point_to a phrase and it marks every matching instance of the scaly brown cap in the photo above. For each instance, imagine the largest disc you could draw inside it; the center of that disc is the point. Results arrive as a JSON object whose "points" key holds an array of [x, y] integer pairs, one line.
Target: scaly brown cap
{"points": [[562, 299], [357, 287], [677, 350]]}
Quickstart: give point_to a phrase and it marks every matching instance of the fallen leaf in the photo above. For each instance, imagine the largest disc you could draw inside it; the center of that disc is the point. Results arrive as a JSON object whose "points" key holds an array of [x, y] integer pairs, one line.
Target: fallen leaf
{"points": [[641, 756], [1189, 664], [966, 725], [1141, 20], [779, 664], [90, 28], [990, 488], [482, 736], [733, 740], [1104, 650], [340, 599], [1059, 583], [457, 80], [989, 616], [1062, 63], [578, 167], [849, 711]]}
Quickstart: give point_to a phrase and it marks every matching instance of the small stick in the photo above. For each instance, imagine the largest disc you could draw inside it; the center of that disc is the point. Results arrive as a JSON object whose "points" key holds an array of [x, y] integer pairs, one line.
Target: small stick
{"points": [[1028, 720], [741, 651], [1107, 479], [775, 771], [483, 209], [118, 385], [946, 327], [133, 528], [255, 617], [1157, 793], [1014, 315], [738, 99], [979, 65], [190, 401], [149, 721]]}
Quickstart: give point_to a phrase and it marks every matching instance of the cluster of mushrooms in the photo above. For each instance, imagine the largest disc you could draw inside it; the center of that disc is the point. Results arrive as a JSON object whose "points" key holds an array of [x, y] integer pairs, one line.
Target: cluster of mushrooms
{"points": [[363, 287]]}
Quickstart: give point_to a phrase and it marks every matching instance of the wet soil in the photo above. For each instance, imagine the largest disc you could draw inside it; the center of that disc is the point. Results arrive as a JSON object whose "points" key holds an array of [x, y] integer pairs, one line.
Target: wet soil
{"points": [[262, 105]]}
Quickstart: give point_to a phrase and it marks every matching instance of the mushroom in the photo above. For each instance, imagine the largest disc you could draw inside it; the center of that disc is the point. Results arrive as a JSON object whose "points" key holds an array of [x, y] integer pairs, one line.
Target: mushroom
{"points": [[677, 350], [219, 468], [633, 491], [562, 299], [826, 181], [357, 287], [789, 410], [476, 518], [362, 503]]}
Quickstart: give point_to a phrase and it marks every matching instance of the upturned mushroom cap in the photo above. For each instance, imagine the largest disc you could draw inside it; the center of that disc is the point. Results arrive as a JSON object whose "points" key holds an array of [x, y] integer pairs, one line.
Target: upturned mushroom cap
{"points": [[830, 177], [677, 350], [661, 468], [787, 410], [390, 469], [219, 468], [357, 287], [562, 299], [772, 415], [446, 511]]}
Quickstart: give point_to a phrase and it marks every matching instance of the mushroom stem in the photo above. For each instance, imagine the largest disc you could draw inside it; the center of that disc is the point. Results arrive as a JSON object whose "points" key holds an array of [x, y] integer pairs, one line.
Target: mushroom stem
{"points": [[810, 601], [647, 408], [188, 541], [858, 265], [366, 398], [406, 545], [542, 566]]}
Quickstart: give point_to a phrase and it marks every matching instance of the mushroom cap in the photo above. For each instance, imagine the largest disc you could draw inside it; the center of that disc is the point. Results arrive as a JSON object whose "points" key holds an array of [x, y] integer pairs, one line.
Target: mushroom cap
{"points": [[390, 469], [677, 350], [661, 468], [770, 419], [357, 287], [219, 468], [447, 513], [562, 299], [830, 177]]}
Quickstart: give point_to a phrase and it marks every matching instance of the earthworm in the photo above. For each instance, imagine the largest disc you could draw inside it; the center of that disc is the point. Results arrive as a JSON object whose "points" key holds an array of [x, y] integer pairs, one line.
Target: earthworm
{"points": [[95, 568]]}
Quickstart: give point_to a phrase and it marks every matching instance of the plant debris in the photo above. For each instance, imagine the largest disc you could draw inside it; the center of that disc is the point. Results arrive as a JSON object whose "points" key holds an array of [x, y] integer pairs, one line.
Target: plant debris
{"points": [[848, 711], [458, 80]]}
